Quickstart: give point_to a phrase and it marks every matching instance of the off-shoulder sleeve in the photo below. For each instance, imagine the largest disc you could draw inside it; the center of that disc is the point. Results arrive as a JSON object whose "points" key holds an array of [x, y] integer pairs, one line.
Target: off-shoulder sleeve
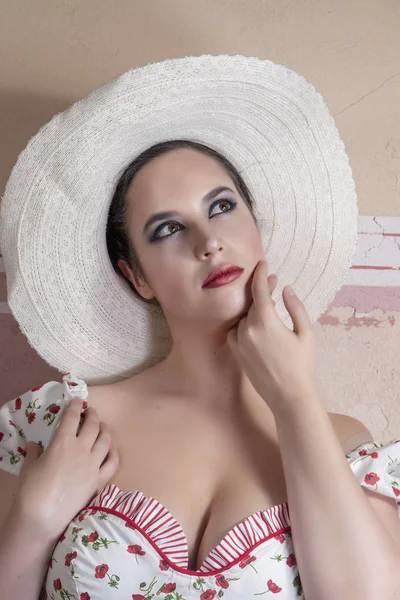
{"points": [[377, 468], [33, 417]]}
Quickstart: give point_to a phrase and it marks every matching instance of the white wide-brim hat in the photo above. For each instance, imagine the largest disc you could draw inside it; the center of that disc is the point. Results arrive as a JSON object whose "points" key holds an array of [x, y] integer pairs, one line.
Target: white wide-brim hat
{"points": [[272, 124]]}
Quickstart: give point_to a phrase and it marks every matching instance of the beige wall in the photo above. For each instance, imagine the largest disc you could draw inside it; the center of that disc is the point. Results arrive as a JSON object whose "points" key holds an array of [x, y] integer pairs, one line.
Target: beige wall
{"points": [[55, 52]]}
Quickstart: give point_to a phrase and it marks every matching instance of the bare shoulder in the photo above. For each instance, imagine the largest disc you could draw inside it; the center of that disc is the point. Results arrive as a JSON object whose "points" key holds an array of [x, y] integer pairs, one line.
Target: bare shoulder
{"points": [[104, 398]]}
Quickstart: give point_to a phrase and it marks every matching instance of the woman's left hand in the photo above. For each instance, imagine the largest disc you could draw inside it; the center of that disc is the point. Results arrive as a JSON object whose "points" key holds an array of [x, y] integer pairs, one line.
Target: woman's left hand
{"points": [[279, 363]]}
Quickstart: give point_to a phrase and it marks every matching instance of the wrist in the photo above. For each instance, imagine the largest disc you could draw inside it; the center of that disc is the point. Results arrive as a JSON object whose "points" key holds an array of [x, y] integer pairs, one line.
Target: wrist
{"points": [[21, 520], [299, 405]]}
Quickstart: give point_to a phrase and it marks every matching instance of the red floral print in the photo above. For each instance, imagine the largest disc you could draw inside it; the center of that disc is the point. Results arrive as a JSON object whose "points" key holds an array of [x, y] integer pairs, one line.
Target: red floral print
{"points": [[69, 557], [273, 587], [57, 584], [208, 595], [167, 588], [246, 561], [136, 549], [84, 596], [101, 571], [163, 565], [291, 560], [93, 537], [21, 451], [50, 413], [371, 478], [221, 581], [35, 389], [31, 417]]}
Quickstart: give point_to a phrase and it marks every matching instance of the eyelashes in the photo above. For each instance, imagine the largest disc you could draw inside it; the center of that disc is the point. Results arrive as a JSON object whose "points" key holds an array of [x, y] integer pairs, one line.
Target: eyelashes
{"points": [[156, 238]]}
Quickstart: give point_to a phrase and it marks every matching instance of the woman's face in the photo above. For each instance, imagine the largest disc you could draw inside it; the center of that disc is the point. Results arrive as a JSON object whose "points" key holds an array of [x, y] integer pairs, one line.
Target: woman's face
{"points": [[177, 252]]}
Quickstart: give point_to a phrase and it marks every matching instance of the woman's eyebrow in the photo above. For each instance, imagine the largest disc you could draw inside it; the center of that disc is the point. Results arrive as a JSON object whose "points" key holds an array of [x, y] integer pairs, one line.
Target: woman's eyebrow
{"points": [[169, 214]]}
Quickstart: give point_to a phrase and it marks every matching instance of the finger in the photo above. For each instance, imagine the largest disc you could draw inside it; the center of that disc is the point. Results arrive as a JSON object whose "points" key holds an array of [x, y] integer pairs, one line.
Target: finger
{"points": [[69, 421], [259, 285], [102, 444], [110, 466], [297, 311], [90, 428]]}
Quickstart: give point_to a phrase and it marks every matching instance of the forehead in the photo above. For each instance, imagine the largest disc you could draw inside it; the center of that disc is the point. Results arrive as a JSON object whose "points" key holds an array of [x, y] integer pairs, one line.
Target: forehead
{"points": [[182, 175]]}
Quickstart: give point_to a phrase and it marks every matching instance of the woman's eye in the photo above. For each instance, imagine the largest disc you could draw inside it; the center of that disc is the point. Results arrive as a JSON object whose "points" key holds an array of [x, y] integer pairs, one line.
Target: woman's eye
{"points": [[173, 224]]}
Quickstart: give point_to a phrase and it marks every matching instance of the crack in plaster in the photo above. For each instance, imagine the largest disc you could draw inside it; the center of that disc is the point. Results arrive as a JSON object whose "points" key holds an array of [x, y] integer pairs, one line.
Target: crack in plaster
{"points": [[367, 94]]}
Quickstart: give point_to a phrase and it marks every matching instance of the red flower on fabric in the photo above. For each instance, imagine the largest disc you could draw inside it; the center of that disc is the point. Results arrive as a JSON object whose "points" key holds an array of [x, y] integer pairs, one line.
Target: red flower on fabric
{"points": [[291, 560], [221, 581], [12, 423], [136, 549], [37, 388], [69, 557], [138, 597], [54, 409], [84, 596], [208, 595], [246, 561], [167, 588], [31, 417], [371, 478], [1, 436], [18, 403], [273, 587], [93, 536], [101, 571], [57, 584], [21, 451], [396, 491], [163, 565]]}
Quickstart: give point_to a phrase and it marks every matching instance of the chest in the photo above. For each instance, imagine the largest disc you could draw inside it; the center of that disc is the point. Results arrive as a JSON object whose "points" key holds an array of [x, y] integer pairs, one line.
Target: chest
{"points": [[209, 472]]}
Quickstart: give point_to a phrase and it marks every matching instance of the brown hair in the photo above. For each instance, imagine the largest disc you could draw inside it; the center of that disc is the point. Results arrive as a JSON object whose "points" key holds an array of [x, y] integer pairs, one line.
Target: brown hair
{"points": [[119, 244]]}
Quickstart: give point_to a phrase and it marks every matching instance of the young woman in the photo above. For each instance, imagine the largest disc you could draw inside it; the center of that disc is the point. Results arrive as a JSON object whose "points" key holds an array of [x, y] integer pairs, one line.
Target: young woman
{"points": [[177, 480]]}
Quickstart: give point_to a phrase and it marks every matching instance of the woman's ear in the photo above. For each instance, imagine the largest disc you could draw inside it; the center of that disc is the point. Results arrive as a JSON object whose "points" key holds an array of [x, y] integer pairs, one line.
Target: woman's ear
{"points": [[137, 279]]}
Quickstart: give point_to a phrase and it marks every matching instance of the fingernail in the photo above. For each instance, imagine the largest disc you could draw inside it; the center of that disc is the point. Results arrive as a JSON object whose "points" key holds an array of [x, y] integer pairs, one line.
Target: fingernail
{"points": [[290, 291]]}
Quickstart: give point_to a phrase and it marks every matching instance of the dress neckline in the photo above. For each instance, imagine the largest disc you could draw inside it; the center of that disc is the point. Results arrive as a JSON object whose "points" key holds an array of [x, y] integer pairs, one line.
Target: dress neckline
{"points": [[167, 536]]}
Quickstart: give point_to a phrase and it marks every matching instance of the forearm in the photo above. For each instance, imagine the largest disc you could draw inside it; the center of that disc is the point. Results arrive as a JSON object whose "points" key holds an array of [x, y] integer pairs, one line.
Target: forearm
{"points": [[24, 558], [341, 547]]}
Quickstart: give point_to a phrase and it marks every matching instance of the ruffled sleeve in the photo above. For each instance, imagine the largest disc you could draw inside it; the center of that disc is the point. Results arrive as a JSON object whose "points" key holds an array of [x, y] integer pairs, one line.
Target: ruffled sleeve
{"points": [[377, 468], [33, 417]]}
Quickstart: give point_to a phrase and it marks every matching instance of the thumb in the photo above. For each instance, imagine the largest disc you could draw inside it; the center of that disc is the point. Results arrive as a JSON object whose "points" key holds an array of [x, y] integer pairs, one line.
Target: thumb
{"points": [[33, 451]]}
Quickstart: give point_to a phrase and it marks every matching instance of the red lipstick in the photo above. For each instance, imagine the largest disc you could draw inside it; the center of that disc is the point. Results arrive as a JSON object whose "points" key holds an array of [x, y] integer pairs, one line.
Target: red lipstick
{"points": [[222, 275]]}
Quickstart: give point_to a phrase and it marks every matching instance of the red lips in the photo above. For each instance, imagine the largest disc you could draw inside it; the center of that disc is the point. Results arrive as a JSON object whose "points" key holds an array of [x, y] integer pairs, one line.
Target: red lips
{"points": [[222, 270]]}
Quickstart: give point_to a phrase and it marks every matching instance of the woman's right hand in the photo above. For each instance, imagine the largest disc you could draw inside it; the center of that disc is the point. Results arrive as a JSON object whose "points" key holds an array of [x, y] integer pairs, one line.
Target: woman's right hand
{"points": [[56, 484]]}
